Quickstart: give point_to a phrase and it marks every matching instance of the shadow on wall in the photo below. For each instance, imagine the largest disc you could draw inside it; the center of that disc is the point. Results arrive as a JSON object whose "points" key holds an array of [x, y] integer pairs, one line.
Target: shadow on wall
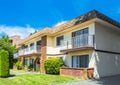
{"points": [[107, 64]]}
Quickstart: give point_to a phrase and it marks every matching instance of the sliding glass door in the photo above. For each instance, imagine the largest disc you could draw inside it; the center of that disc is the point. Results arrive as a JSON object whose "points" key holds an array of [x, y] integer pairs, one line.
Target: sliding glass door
{"points": [[80, 38], [80, 61]]}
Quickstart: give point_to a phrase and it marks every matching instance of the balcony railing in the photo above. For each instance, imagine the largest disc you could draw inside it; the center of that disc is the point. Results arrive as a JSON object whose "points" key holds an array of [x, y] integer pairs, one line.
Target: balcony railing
{"points": [[28, 50], [78, 41]]}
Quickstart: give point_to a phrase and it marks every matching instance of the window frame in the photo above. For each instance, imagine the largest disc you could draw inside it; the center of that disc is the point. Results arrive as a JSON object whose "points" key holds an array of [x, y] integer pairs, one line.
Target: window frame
{"points": [[61, 38], [79, 64]]}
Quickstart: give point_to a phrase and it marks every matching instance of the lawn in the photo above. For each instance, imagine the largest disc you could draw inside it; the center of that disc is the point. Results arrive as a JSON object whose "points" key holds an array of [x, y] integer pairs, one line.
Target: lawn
{"points": [[35, 79]]}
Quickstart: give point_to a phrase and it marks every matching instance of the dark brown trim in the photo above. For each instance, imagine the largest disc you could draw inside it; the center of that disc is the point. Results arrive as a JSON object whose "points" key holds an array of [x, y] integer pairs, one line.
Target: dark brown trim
{"points": [[77, 49], [32, 54], [104, 51], [55, 54]]}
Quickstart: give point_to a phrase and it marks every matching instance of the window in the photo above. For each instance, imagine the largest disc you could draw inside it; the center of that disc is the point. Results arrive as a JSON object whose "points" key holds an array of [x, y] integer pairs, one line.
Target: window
{"points": [[26, 62], [59, 40], [26, 48], [80, 61], [39, 46], [80, 38], [31, 62], [11, 41], [32, 46]]}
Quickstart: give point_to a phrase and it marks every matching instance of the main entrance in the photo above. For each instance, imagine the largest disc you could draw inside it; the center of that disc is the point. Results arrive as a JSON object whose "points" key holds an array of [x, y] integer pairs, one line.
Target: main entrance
{"points": [[37, 64]]}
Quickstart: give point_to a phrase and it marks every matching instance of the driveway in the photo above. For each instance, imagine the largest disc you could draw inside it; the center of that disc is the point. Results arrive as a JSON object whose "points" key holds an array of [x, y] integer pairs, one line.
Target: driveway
{"points": [[113, 80]]}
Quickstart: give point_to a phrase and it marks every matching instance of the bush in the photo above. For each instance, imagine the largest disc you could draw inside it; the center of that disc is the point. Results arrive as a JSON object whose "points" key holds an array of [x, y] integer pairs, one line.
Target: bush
{"points": [[29, 67], [19, 65], [52, 65], [4, 63]]}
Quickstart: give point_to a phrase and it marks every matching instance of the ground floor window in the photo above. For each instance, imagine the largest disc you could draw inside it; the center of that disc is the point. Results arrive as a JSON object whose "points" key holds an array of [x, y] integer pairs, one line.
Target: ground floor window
{"points": [[26, 62], [29, 62], [80, 61]]}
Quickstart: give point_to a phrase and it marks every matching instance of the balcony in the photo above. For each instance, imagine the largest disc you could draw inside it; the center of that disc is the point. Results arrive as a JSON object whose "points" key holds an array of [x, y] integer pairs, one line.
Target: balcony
{"points": [[78, 43], [28, 51]]}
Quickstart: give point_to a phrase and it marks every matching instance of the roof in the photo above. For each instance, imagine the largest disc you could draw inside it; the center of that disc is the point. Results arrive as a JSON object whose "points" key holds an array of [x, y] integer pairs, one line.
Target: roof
{"points": [[45, 31], [86, 17], [81, 19]]}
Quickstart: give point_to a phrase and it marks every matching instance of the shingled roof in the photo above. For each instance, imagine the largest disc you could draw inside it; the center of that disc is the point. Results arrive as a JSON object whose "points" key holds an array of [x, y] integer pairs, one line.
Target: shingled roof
{"points": [[86, 17], [81, 19]]}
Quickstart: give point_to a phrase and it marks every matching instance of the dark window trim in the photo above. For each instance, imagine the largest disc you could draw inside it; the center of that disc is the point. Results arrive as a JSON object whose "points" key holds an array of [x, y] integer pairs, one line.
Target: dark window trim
{"points": [[80, 56], [57, 39], [32, 44], [73, 33]]}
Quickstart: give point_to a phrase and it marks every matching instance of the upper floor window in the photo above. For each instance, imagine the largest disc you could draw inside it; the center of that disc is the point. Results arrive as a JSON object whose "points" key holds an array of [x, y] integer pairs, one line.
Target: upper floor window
{"points": [[11, 41], [31, 46], [59, 40], [80, 32], [39, 42], [80, 38], [39, 45], [26, 48]]}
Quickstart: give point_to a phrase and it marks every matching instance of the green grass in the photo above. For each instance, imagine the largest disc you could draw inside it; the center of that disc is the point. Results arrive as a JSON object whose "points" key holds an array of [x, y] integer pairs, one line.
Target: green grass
{"points": [[35, 79]]}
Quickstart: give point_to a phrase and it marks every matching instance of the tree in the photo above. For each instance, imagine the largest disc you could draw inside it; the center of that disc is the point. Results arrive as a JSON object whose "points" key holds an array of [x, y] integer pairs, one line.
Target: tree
{"points": [[4, 63], [5, 44], [33, 33]]}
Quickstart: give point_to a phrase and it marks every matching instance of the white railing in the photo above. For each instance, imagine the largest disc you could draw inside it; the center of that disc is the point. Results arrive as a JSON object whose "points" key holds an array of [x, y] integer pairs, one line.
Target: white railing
{"points": [[28, 50], [78, 41]]}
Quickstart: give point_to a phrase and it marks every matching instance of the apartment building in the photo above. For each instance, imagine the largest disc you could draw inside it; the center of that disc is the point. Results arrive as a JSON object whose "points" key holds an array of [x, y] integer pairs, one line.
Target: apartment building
{"points": [[14, 39], [89, 46]]}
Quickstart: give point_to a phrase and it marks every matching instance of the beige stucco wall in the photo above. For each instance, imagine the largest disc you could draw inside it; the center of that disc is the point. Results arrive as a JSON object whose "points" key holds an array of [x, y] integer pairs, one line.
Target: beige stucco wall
{"points": [[106, 38], [68, 58], [51, 40], [106, 64]]}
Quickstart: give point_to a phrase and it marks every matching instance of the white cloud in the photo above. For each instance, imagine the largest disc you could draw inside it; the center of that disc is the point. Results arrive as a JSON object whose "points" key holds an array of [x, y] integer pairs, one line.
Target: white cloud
{"points": [[59, 23], [16, 30]]}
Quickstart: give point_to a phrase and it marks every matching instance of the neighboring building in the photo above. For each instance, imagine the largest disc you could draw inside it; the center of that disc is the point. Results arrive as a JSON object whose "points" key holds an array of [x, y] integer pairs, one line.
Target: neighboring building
{"points": [[14, 39], [89, 46]]}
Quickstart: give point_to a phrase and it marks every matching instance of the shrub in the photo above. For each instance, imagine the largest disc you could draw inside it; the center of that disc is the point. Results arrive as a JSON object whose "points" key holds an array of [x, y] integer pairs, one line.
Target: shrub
{"points": [[29, 67], [52, 65], [4, 63], [19, 65]]}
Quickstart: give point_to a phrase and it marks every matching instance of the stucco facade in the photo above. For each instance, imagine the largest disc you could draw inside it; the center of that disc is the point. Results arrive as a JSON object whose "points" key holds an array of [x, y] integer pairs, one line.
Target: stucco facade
{"points": [[87, 43]]}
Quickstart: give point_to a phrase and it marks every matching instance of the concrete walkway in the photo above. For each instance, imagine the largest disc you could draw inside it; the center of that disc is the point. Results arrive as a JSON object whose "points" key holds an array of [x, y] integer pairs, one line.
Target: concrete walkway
{"points": [[113, 80]]}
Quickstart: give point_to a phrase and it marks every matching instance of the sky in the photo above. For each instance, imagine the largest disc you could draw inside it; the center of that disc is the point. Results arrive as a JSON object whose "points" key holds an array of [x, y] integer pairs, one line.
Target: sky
{"points": [[22, 17]]}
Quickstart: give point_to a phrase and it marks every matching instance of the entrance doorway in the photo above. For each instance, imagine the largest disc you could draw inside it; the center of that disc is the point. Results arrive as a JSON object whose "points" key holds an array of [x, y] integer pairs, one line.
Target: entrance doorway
{"points": [[37, 64]]}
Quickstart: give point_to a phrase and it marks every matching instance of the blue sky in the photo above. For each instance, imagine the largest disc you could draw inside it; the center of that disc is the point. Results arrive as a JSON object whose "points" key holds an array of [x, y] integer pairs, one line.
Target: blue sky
{"points": [[21, 17]]}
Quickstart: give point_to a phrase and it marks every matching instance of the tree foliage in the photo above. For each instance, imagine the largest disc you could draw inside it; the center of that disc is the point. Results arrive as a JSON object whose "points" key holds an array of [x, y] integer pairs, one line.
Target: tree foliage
{"points": [[4, 63], [52, 65], [33, 32], [5, 44]]}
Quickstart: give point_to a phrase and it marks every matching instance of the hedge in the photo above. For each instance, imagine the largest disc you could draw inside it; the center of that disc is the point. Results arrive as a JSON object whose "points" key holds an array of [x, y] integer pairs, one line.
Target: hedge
{"points": [[4, 63], [52, 65]]}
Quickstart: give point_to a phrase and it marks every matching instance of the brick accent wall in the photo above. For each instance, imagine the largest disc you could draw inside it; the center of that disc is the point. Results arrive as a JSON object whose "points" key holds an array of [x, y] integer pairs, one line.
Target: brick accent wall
{"points": [[23, 60], [83, 73], [43, 53]]}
